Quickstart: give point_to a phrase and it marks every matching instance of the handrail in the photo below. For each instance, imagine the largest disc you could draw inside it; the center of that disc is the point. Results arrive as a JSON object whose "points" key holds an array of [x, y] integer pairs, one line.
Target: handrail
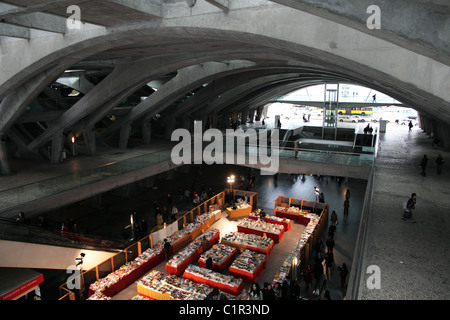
{"points": [[202, 206], [356, 268], [25, 193]]}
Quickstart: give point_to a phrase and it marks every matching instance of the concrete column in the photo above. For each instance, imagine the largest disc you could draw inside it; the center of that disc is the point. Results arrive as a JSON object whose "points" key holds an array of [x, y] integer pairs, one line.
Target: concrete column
{"points": [[213, 118], [170, 127], [57, 147], [252, 115], [258, 114], [443, 134], [125, 132], [186, 123], [147, 132], [90, 141], [5, 168], [205, 122], [226, 122], [244, 116]]}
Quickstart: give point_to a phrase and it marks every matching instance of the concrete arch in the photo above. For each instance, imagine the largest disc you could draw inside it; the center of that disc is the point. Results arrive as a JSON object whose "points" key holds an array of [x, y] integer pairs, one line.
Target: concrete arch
{"points": [[328, 48], [350, 48]]}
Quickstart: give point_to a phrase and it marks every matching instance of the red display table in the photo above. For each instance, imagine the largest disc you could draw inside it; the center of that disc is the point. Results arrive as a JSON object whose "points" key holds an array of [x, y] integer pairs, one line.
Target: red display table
{"points": [[275, 237], [293, 216], [286, 223], [219, 267], [183, 265], [178, 270], [247, 275], [132, 276], [232, 289]]}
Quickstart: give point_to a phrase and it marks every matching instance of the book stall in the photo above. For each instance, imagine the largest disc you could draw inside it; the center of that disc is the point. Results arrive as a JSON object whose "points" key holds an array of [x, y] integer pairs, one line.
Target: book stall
{"points": [[249, 265], [286, 223], [99, 296], [239, 210], [261, 228], [131, 271], [249, 241], [304, 245], [158, 286], [192, 230], [226, 283], [243, 203], [221, 255], [292, 213], [128, 273], [179, 262]]}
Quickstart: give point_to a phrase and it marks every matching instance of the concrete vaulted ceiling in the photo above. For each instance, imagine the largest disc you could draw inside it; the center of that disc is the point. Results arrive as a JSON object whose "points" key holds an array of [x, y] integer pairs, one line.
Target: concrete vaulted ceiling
{"points": [[251, 49]]}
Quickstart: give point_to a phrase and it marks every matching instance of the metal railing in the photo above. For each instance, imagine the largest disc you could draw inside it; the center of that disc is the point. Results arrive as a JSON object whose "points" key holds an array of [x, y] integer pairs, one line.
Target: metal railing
{"points": [[18, 196], [356, 268]]}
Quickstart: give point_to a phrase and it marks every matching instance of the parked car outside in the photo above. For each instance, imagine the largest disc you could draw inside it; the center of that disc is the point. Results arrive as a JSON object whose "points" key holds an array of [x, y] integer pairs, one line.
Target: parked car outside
{"points": [[353, 119]]}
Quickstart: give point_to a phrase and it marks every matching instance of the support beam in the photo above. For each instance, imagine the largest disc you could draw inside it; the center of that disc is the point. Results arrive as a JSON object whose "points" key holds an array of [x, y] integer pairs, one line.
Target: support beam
{"points": [[187, 79], [109, 92], [125, 132], [153, 8], [90, 141], [5, 168], [14, 104], [40, 7], [9, 30], [221, 4], [57, 147], [147, 131], [39, 21]]}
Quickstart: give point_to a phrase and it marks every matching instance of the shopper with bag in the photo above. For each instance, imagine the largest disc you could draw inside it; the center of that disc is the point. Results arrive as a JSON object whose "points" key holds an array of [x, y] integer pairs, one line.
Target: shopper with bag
{"points": [[410, 205]]}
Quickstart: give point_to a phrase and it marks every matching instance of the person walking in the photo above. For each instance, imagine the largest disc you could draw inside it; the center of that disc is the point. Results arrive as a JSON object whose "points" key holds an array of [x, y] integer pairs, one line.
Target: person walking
{"points": [[329, 261], [321, 198], [410, 205], [410, 125], [347, 194], [439, 163], [268, 293], [332, 230], [205, 244], [174, 213], [343, 273], [346, 206], [423, 165], [277, 291], [165, 215], [318, 272], [167, 249], [294, 290], [307, 275], [334, 217], [255, 292], [330, 244]]}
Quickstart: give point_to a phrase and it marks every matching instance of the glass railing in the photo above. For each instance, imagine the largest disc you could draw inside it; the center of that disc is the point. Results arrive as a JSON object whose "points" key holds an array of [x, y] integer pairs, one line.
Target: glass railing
{"points": [[17, 196]]}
